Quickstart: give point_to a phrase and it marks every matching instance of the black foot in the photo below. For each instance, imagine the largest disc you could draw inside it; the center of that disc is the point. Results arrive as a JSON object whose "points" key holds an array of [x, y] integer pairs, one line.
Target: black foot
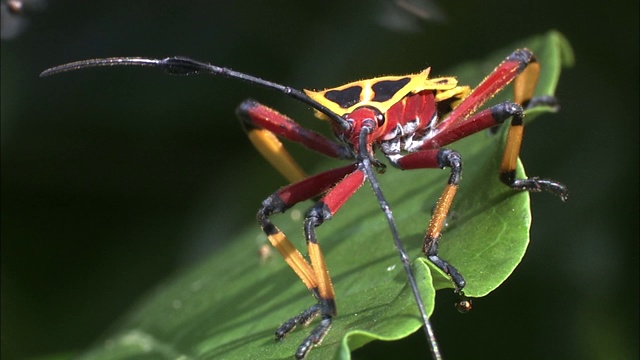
{"points": [[430, 248], [536, 185], [448, 269], [314, 338], [304, 319]]}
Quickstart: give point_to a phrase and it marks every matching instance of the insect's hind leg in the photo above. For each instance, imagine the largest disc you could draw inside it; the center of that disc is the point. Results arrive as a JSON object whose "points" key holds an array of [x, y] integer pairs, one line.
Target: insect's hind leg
{"points": [[523, 87], [512, 150], [491, 117]]}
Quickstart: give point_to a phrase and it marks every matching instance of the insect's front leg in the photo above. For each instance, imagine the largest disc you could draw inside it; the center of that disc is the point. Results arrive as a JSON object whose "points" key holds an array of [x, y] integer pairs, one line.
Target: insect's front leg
{"points": [[339, 184], [284, 199], [430, 159], [324, 210]]}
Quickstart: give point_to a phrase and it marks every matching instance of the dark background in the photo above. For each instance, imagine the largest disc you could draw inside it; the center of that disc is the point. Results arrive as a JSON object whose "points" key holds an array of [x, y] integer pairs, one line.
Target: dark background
{"points": [[112, 179]]}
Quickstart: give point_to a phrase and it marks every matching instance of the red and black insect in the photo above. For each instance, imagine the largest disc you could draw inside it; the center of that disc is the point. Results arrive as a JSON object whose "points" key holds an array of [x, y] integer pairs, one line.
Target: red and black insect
{"points": [[409, 119]]}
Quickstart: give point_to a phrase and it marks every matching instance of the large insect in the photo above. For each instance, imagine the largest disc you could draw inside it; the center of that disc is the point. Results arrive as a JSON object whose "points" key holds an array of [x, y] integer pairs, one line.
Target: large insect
{"points": [[409, 119]]}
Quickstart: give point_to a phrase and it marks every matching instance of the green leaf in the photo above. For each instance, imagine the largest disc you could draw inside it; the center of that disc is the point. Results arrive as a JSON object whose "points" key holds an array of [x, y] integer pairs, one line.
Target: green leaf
{"points": [[229, 306]]}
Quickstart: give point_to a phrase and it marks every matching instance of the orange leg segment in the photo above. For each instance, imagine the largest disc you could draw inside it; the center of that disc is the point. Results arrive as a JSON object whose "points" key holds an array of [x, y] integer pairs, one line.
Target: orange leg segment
{"points": [[438, 158]]}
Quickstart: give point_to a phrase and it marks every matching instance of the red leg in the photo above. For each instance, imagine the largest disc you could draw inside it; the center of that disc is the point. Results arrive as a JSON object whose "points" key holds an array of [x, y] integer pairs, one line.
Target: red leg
{"points": [[340, 184], [521, 64], [490, 117], [285, 198], [477, 122], [522, 68], [348, 179], [263, 125], [432, 156], [429, 159]]}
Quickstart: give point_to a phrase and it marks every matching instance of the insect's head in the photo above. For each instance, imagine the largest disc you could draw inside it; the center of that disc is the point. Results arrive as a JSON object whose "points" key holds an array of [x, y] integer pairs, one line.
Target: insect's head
{"points": [[363, 117]]}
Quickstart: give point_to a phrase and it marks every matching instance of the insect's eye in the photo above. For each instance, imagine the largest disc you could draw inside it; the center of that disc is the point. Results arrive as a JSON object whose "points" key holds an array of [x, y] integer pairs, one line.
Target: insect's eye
{"points": [[380, 119]]}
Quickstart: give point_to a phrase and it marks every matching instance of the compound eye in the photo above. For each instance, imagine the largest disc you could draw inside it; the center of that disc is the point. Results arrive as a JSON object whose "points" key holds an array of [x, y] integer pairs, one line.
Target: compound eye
{"points": [[380, 119]]}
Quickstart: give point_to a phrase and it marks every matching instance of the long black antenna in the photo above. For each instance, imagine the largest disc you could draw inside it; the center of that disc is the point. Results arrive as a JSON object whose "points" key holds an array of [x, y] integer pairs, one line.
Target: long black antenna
{"points": [[178, 65], [363, 154]]}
